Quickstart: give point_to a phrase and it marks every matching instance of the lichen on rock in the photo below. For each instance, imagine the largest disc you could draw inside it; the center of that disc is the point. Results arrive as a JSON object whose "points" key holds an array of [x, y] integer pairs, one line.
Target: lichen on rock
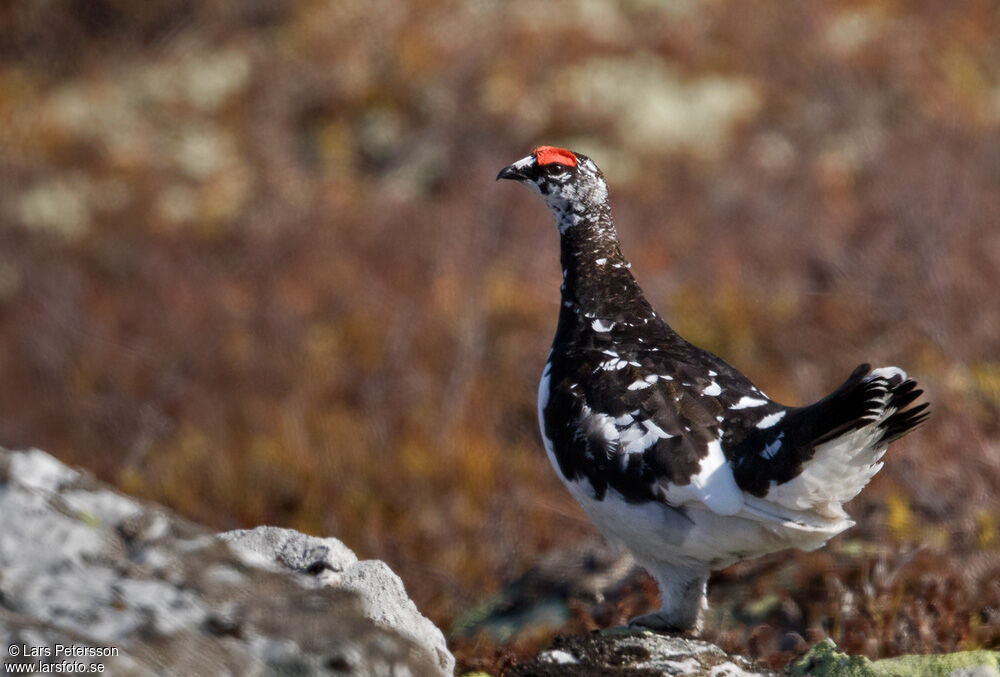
{"points": [[823, 660]]}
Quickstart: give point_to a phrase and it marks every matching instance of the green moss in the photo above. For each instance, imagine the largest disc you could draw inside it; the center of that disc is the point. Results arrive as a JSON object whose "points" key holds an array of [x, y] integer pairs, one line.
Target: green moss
{"points": [[824, 659]]}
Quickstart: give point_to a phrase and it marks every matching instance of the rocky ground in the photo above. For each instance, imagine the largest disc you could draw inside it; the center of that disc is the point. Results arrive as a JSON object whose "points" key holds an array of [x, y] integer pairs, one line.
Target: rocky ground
{"points": [[636, 654], [142, 591], [649, 655]]}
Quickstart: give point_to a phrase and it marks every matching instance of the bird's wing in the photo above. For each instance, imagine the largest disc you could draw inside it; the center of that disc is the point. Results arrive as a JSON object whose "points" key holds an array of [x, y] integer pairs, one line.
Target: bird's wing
{"points": [[649, 426]]}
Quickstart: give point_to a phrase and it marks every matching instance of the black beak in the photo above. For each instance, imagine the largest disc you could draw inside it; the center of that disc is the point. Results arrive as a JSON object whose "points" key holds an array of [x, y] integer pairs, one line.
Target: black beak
{"points": [[511, 173]]}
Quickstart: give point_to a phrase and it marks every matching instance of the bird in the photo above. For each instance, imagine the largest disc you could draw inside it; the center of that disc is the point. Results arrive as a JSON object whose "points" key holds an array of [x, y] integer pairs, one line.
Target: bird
{"points": [[668, 449]]}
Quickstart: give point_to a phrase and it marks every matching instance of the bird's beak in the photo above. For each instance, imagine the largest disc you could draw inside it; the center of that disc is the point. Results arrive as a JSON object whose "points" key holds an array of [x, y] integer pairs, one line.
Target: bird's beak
{"points": [[513, 173], [520, 170]]}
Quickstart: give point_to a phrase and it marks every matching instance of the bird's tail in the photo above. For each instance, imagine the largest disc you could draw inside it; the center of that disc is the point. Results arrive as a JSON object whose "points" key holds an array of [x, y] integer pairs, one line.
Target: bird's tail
{"points": [[850, 430]]}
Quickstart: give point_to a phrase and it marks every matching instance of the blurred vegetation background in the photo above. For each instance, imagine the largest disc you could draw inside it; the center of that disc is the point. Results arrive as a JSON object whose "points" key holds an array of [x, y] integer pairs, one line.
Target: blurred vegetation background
{"points": [[254, 265]]}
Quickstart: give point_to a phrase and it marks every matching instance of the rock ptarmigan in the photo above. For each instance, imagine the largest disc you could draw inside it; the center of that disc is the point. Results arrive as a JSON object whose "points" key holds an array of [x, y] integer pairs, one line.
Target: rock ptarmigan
{"points": [[667, 448]]}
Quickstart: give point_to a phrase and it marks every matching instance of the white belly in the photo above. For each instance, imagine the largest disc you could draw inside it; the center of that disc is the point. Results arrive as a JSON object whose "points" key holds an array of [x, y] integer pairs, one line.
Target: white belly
{"points": [[654, 532], [694, 537]]}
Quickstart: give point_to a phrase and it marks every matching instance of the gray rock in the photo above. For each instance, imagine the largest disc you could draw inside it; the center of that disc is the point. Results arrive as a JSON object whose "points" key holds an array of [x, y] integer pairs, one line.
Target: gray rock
{"points": [[624, 652], [291, 549], [144, 592], [383, 598]]}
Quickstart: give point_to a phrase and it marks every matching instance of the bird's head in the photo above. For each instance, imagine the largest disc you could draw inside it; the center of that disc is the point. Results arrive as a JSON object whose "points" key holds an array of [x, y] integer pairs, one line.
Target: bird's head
{"points": [[570, 183]]}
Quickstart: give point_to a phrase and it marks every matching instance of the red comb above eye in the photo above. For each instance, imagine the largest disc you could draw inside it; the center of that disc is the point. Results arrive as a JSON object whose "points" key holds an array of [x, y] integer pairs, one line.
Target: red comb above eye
{"points": [[547, 155]]}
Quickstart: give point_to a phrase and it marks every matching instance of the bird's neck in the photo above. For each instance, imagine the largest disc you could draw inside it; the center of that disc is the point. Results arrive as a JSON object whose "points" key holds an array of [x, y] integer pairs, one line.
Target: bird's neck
{"points": [[598, 289]]}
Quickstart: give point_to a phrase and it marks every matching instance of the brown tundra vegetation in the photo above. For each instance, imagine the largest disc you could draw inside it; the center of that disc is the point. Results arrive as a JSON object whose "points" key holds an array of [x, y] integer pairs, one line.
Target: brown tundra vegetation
{"points": [[254, 265]]}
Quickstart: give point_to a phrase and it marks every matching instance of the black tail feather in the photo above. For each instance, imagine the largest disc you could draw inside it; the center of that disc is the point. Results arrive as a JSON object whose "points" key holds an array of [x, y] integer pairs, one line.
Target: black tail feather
{"points": [[853, 405], [861, 401], [903, 422], [904, 394]]}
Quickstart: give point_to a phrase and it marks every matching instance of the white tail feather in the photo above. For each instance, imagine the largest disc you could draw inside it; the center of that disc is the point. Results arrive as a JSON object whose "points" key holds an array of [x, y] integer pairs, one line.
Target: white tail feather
{"points": [[806, 530]]}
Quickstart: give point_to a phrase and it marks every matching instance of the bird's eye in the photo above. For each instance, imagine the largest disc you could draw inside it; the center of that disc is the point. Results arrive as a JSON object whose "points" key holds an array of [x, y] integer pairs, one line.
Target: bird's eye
{"points": [[555, 168]]}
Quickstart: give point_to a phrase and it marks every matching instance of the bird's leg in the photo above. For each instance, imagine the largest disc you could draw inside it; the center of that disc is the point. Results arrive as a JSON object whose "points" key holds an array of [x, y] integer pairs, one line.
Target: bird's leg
{"points": [[682, 592]]}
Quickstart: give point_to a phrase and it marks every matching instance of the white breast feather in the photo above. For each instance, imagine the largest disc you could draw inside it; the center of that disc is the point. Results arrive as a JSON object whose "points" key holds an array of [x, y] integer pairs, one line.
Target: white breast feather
{"points": [[714, 485], [543, 401]]}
